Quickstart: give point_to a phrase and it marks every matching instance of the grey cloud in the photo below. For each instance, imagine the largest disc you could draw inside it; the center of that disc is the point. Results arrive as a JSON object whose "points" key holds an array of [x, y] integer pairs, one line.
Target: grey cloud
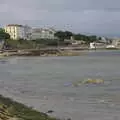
{"points": [[95, 16], [62, 5]]}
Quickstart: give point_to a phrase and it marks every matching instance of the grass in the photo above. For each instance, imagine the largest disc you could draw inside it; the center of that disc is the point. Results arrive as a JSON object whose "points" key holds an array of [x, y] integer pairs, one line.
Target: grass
{"points": [[10, 108]]}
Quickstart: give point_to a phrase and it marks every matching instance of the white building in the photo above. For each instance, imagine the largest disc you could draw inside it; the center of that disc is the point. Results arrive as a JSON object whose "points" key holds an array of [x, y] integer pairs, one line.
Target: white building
{"points": [[39, 33], [92, 45], [95, 45], [18, 31], [116, 42], [27, 32]]}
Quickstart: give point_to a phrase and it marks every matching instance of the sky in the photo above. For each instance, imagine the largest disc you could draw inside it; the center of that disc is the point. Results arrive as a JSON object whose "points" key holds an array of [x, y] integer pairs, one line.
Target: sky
{"points": [[80, 16]]}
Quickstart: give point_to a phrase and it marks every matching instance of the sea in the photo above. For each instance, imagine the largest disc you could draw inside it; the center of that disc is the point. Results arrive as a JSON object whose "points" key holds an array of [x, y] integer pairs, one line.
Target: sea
{"points": [[46, 83]]}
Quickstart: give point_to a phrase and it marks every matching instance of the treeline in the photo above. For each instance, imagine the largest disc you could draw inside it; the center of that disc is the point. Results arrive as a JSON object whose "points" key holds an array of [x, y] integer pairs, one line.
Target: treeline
{"points": [[62, 35]]}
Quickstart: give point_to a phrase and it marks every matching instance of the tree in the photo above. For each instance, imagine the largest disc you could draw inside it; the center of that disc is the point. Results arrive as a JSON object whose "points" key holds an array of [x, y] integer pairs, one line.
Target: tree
{"points": [[63, 35], [60, 35], [68, 34], [3, 34], [77, 36], [99, 38], [93, 38]]}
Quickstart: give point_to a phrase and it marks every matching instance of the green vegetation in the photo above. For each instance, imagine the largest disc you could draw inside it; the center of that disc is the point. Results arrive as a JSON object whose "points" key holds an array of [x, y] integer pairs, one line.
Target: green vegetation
{"points": [[3, 34], [11, 109], [46, 42], [85, 38], [67, 35], [32, 44], [63, 35], [19, 44]]}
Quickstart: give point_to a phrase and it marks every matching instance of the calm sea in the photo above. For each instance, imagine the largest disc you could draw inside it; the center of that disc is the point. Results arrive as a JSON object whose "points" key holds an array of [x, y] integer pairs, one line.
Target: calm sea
{"points": [[40, 82]]}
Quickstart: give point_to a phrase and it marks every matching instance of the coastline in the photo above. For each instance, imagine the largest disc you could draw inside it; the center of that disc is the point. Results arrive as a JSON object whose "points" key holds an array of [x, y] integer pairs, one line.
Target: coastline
{"points": [[49, 52], [41, 53], [12, 110]]}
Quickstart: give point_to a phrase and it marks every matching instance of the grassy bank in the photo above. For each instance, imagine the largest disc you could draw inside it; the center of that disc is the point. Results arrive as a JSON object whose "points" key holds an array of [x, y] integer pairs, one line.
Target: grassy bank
{"points": [[31, 44], [10, 109]]}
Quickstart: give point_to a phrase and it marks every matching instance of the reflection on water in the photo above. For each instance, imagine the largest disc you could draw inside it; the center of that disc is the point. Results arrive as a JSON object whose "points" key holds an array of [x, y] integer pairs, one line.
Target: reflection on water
{"points": [[39, 82]]}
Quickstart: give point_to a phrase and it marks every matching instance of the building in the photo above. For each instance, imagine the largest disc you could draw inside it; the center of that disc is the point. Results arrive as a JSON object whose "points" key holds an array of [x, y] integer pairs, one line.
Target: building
{"points": [[97, 45], [116, 42], [105, 40], [40, 33], [17, 32], [27, 32]]}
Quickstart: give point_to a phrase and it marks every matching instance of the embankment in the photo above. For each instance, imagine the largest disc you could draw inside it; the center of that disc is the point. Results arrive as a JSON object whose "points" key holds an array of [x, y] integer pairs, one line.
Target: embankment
{"points": [[11, 110]]}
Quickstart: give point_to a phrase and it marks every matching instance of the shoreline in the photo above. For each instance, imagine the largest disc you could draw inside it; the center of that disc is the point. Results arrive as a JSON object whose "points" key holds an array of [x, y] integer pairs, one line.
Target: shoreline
{"points": [[48, 52], [10, 109], [45, 54]]}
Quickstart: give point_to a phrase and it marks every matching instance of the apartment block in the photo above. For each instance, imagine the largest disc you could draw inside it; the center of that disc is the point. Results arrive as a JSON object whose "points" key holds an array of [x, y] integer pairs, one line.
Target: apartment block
{"points": [[18, 31], [40, 33]]}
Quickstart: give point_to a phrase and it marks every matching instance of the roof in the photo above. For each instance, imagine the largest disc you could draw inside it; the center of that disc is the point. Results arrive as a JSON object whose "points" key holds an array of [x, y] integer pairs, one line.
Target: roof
{"points": [[9, 25], [36, 30], [42, 29]]}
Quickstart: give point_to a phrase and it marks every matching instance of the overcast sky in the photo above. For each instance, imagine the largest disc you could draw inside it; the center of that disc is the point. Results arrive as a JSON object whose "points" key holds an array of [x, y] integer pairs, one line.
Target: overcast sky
{"points": [[87, 16]]}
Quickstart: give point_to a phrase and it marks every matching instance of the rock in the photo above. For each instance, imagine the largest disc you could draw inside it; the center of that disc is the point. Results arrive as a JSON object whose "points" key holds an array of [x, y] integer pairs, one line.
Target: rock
{"points": [[69, 119], [93, 81], [50, 111]]}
